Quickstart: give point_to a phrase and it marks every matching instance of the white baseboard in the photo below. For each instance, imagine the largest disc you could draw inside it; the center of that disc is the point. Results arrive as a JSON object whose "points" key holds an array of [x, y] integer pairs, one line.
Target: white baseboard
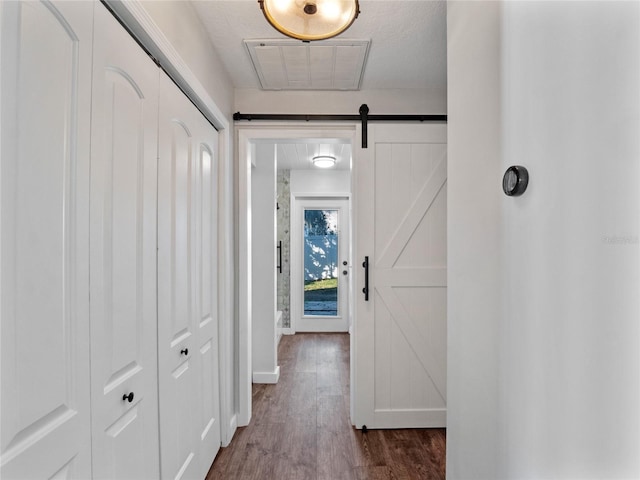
{"points": [[286, 331], [267, 377]]}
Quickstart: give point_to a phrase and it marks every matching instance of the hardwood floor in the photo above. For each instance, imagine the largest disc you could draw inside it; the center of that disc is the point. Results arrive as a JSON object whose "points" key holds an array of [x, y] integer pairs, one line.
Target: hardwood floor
{"points": [[300, 428]]}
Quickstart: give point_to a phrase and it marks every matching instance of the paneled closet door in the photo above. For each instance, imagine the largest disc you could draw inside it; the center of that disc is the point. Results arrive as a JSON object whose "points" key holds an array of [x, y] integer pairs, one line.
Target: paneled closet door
{"points": [[206, 267], [45, 70], [123, 256], [187, 303], [176, 285]]}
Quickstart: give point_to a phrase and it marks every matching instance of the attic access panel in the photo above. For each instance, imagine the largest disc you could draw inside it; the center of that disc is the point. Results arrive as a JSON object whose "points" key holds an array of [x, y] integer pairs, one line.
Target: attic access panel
{"points": [[289, 64]]}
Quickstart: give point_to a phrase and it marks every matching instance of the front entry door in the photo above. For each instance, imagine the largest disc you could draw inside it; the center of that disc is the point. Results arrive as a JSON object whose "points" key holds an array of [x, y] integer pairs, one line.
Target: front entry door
{"points": [[320, 264], [400, 328]]}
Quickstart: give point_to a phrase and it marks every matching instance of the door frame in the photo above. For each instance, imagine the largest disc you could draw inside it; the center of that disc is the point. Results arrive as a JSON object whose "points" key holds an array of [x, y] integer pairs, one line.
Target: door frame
{"points": [[330, 202], [245, 139]]}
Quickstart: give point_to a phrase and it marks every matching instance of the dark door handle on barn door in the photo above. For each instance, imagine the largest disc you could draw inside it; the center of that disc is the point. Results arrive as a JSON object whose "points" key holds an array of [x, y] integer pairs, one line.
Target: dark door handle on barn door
{"points": [[279, 248], [365, 290]]}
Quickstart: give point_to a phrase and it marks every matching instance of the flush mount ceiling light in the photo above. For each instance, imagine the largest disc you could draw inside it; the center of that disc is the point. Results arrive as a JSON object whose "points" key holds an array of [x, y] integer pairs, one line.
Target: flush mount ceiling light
{"points": [[324, 161], [310, 19]]}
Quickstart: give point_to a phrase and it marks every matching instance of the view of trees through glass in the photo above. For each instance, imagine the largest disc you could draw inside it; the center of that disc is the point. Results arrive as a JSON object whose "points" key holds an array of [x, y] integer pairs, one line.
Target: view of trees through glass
{"points": [[321, 262]]}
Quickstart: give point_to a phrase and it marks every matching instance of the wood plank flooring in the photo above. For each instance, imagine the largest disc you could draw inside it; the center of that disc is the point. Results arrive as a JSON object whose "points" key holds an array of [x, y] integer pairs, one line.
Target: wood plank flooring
{"points": [[300, 428]]}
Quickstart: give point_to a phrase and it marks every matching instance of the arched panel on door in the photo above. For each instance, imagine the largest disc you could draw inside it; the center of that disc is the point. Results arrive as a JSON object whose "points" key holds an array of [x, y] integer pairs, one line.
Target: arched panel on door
{"points": [[46, 97]]}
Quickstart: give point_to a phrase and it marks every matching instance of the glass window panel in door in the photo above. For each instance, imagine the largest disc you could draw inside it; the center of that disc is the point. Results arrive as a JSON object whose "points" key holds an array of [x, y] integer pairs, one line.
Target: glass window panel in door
{"points": [[320, 262]]}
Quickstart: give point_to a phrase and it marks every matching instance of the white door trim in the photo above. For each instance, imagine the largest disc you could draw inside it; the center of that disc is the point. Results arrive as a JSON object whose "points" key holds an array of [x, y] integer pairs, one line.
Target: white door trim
{"points": [[245, 138], [141, 24]]}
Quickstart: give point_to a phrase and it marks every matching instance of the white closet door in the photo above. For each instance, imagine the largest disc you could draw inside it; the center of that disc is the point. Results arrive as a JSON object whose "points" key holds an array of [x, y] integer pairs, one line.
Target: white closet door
{"points": [[176, 277], [187, 302], [123, 257], [46, 90], [206, 266]]}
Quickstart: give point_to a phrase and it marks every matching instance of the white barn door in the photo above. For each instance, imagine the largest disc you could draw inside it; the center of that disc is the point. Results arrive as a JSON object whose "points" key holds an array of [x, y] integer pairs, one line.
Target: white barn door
{"points": [[123, 255], [400, 331], [45, 69]]}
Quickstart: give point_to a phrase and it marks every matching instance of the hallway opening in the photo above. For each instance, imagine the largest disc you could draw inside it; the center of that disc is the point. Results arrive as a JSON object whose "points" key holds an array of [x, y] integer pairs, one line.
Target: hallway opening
{"points": [[275, 175]]}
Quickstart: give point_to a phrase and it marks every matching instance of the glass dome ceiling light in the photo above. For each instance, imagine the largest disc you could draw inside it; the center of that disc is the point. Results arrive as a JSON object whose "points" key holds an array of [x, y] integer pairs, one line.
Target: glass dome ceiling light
{"points": [[310, 19]]}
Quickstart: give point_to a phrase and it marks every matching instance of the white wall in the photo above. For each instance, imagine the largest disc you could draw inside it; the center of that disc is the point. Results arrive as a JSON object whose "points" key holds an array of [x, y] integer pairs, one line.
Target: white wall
{"points": [[474, 230], [315, 182], [180, 23], [559, 355], [263, 255], [571, 103]]}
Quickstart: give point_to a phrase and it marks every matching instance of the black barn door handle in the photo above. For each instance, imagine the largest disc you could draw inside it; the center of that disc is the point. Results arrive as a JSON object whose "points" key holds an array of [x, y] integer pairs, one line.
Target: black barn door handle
{"points": [[365, 290], [279, 248]]}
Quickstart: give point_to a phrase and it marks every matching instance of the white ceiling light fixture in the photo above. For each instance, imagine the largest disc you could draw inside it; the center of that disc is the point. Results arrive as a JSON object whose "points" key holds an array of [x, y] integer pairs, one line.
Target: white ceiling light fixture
{"points": [[310, 19], [324, 161]]}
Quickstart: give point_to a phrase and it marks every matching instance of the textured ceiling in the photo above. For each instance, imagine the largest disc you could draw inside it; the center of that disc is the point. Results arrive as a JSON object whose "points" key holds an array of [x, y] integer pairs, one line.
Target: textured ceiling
{"points": [[408, 40]]}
